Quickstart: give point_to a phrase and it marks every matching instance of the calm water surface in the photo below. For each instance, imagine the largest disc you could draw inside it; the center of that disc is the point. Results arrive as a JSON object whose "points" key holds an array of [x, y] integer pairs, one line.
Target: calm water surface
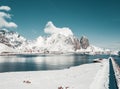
{"points": [[44, 62]]}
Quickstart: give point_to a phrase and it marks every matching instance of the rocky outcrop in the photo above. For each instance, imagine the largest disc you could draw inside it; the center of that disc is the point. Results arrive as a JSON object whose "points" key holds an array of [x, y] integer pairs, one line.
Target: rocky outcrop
{"points": [[84, 42], [76, 44]]}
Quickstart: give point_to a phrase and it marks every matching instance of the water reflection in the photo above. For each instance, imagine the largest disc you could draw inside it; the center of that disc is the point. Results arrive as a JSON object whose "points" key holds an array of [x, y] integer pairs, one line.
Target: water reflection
{"points": [[41, 62]]}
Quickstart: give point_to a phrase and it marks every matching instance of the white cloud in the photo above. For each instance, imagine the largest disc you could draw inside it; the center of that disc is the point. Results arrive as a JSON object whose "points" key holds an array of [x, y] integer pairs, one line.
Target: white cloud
{"points": [[6, 8], [4, 15], [51, 29], [3, 21]]}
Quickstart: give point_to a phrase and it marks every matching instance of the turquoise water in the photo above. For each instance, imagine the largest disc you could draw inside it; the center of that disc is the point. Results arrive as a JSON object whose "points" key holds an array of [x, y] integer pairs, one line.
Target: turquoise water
{"points": [[44, 62]]}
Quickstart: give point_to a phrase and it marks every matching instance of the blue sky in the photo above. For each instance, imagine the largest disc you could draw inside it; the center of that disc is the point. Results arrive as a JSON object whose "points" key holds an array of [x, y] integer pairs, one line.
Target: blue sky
{"points": [[99, 20]]}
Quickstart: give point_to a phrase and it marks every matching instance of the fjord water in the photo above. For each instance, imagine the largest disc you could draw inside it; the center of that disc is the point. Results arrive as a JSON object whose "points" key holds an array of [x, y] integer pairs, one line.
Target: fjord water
{"points": [[44, 62]]}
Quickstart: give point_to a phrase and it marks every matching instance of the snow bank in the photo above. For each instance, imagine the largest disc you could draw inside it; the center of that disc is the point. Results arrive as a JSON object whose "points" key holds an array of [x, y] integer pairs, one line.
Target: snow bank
{"points": [[101, 80], [79, 77]]}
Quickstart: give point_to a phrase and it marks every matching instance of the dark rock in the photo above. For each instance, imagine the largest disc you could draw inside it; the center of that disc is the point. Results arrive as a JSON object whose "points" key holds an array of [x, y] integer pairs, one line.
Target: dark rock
{"points": [[84, 42], [76, 44]]}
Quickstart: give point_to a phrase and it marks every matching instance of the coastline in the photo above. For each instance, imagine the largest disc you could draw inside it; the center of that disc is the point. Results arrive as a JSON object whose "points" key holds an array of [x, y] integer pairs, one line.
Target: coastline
{"points": [[79, 77]]}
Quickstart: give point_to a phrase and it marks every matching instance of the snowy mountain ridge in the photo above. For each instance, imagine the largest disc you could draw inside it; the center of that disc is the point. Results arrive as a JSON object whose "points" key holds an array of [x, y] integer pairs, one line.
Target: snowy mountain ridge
{"points": [[60, 40], [10, 38]]}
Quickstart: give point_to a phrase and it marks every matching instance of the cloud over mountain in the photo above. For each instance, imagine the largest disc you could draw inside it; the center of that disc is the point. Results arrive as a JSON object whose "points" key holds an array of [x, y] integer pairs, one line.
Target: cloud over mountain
{"points": [[50, 28]]}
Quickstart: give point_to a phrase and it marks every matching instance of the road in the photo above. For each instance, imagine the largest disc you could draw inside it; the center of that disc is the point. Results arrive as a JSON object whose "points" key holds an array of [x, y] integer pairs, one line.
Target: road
{"points": [[112, 79]]}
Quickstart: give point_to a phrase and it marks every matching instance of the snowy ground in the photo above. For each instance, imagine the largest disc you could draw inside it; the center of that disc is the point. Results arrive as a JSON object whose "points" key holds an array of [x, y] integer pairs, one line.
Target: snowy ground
{"points": [[87, 76]]}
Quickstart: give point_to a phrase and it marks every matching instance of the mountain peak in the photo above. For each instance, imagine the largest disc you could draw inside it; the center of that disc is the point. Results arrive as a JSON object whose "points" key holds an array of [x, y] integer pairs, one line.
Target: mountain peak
{"points": [[84, 42]]}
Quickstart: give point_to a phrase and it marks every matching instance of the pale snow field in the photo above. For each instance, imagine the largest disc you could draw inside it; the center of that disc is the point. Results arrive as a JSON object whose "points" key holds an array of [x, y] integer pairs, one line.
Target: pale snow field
{"points": [[87, 76]]}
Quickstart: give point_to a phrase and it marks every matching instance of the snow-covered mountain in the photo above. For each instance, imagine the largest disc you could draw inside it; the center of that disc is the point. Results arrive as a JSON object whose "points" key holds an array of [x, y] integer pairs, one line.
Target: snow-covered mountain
{"points": [[58, 40], [11, 39], [5, 49]]}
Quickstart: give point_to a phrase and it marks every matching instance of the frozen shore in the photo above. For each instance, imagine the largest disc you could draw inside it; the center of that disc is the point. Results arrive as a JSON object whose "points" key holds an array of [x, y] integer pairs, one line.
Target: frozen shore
{"points": [[87, 76]]}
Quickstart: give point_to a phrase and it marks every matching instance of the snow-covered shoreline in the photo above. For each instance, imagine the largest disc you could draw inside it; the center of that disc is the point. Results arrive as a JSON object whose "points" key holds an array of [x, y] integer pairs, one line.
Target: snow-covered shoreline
{"points": [[79, 77]]}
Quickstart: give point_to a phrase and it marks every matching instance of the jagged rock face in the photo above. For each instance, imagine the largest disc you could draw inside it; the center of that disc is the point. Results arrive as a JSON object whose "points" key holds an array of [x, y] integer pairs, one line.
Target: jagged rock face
{"points": [[76, 44], [84, 42], [10, 38]]}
